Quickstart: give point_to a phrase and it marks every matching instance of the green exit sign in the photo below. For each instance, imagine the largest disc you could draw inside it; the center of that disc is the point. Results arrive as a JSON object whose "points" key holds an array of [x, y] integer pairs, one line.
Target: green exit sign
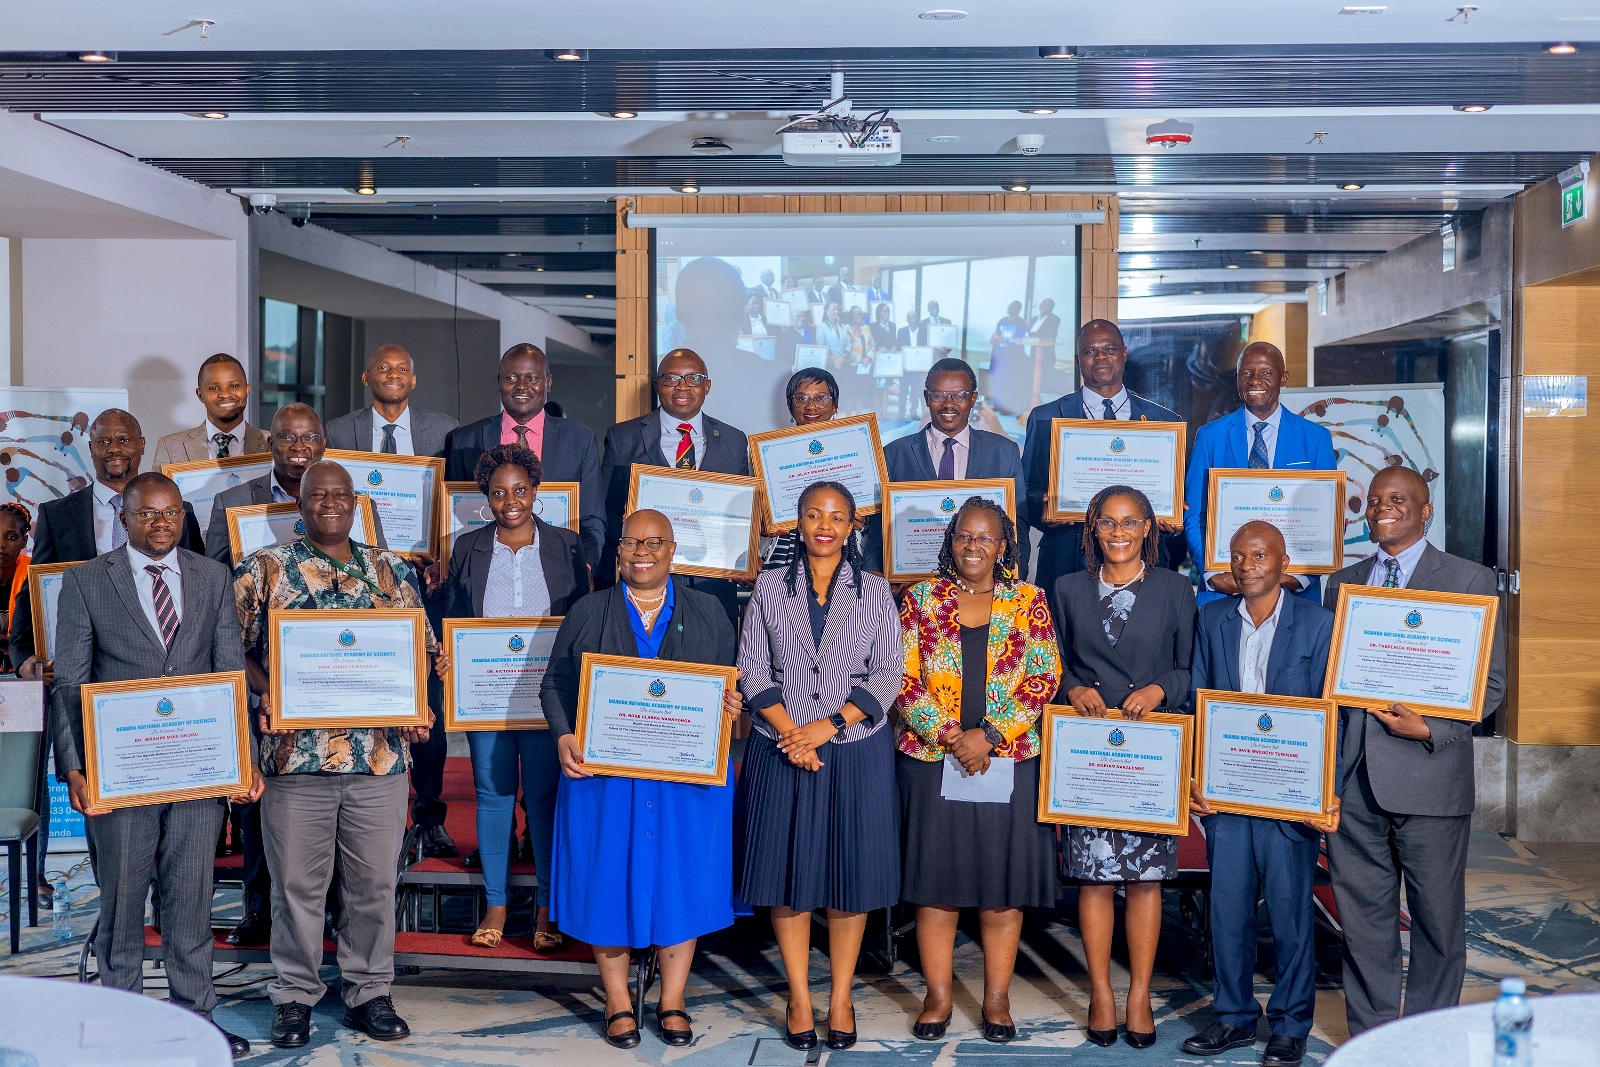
{"points": [[1574, 205]]}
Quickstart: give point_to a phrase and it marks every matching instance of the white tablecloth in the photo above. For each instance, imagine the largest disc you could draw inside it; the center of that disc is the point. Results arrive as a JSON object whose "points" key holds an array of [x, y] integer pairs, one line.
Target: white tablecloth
{"points": [[64, 1024], [1566, 1033]]}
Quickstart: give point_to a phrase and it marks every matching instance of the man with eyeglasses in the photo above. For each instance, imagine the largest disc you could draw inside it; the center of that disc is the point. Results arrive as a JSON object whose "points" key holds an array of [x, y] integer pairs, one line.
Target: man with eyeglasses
{"points": [[1102, 359], [677, 434], [949, 448]]}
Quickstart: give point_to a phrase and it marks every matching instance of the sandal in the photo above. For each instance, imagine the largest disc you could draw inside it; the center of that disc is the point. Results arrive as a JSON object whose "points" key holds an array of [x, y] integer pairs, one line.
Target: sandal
{"points": [[548, 942], [487, 937]]}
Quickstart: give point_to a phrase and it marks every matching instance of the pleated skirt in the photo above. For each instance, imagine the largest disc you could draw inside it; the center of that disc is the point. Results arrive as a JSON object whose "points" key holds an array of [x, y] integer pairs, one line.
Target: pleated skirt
{"points": [[824, 839], [964, 855]]}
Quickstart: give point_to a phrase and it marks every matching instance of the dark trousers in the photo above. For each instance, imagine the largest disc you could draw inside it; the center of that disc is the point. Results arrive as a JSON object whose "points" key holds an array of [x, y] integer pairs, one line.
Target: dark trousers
{"points": [[257, 878], [427, 764], [1250, 859], [1371, 854]]}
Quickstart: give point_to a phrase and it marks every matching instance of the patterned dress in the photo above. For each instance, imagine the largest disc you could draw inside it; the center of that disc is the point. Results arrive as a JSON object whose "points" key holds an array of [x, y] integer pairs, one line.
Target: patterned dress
{"points": [[1096, 855]]}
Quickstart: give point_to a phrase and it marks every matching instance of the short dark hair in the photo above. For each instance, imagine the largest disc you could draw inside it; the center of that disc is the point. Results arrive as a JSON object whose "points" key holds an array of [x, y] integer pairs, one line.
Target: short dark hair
{"points": [[951, 365], [506, 456], [220, 357], [806, 375], [1151, 550], [139, 483], [1005, 561]]}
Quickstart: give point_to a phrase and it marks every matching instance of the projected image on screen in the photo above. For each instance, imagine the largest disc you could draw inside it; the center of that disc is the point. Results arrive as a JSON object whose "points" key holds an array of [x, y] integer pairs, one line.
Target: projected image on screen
{"points": [[757, 306]]}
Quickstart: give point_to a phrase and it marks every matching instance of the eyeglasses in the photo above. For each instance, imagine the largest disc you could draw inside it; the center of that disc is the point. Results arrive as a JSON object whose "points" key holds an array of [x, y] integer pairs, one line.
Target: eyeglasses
{"points": [[811, 400], [961, 540], [149, 515], [288, 440], [672, 381], [628, 544], [1126, 525], [941, 396]]}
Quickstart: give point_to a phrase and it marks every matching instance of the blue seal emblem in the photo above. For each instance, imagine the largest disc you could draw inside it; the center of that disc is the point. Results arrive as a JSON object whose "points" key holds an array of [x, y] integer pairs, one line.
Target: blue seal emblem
{"points": [[1275, 494], [516, 644], [1413, 619], [695, 496], [347, 638], [947, 505], [1264, 724], [300, 527], [164, 707], [658, 689], [1116, 738], [233, 480], [815, 448], [374, 477], [1118, 445]]}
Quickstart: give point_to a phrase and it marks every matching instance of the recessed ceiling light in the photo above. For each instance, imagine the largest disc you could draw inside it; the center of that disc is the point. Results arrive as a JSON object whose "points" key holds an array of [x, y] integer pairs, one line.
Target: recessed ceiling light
{"points": [[588, 296], [1351, 187], [1473, 109], [944, 138], [568, 55], [365, 190], [689, 187], [98, 57], [1363, 9], [538, 268], [1233, 266], [624, 114], [1017, 187], [1197, 292], [1562, 49], [1058, 51], [213, 114], [1037, 110], [942, 14]]}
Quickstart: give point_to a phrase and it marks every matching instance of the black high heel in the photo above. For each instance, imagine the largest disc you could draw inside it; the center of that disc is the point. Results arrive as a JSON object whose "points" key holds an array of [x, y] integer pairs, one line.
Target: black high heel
{"points": [[804, 1041], [1138, 1040], [1103, 1038], [839, 1040]]}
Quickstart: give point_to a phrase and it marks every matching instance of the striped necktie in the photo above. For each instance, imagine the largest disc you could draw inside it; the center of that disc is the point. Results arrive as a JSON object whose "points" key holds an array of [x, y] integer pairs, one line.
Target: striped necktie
{"points": [[685, 457], [119, 532], [389, 447], [1391, 573], [1258, 450], [166, 610]]}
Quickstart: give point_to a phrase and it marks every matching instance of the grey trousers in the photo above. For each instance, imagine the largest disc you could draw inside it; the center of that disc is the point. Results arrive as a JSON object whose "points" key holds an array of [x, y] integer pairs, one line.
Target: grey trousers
{"points": [[308, 822], [1369, 856], [180, 842]]}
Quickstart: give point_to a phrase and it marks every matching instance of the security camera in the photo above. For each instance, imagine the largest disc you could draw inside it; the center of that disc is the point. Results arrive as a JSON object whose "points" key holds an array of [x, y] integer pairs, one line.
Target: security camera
{"points": [[1029, 144], [298, 213], [261, 203]]}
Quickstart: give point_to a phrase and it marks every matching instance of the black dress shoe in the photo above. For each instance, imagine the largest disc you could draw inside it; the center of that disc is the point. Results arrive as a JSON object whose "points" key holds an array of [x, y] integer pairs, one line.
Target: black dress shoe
{"points": [[254, 929], [839, 1040], [237, 1045], [436, 842], [674, 1037], [1284, 1052], [1103, 1038], [377, 1019], [930, 1031], [1138, 1040], [626, 1039], [291, 1026], [1218, 1038], [474, 861], [999, 1033]]}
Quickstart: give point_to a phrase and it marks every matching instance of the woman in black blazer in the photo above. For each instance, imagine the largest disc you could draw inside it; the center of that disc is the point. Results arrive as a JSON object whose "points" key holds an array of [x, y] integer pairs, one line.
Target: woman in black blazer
{"points": [[1127, 630], [518, 566]]}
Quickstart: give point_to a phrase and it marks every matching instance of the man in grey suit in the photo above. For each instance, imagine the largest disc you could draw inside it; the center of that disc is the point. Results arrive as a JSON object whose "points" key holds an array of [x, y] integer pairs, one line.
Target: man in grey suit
{"points": [[296, 441], [390, 424], [148, 610], [223, 391], [1406, 785]]}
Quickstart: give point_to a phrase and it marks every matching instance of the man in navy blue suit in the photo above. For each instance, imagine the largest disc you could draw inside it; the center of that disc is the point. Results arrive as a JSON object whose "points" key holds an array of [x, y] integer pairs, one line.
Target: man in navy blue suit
{"points": [[949, 448], [1262, 434], [1102, 359], [1262, 642]]}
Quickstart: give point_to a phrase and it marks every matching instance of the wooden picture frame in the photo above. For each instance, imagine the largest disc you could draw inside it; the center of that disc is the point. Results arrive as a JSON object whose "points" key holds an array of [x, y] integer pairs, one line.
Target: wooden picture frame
{"points": [[247, 464], [1118, 428], [352, 461], [1335, 478], [1267, 703], [37, 573], [814, 430], [453, 722], [692, 477], [667, 668], [451, 490], [418, 619], [1185, 761], [363, 531], [955, 493]]}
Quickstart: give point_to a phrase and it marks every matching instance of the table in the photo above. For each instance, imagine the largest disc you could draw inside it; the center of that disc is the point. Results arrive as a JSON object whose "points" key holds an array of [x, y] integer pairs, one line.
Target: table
{"points": [[1566, 1031], [60, 1022]]}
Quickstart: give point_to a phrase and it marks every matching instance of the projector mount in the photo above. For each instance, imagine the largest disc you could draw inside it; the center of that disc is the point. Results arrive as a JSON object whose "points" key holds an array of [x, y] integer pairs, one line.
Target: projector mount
{"points": [[835, 115]]}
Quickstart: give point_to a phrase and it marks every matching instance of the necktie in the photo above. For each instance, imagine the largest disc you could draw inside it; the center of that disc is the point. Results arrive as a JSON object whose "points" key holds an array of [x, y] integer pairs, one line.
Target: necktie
{"points": [[1111, 411], [1258, 450], [522, 434], [685, 457], [1391, 573], [119, 533], [947, 462], [223, 441], [166, 610], [389, 448]]}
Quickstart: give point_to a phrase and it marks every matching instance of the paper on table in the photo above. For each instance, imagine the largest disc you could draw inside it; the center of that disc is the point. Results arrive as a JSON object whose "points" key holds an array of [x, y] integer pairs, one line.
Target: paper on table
{"points": [[991, 787]]}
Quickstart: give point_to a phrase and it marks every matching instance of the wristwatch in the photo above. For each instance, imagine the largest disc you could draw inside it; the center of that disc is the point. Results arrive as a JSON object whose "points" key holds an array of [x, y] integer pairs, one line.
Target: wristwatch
{"points": [[837, 719], [993, 736]]}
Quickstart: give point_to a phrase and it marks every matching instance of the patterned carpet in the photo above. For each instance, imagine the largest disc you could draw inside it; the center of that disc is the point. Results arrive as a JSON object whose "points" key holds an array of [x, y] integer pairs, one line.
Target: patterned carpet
{"points": [[1524, 918]]}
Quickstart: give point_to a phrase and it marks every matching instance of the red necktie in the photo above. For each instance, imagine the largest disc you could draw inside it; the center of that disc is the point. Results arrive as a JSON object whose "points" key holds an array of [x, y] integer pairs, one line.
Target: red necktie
{"points": [[166, 610], [685, 458]]}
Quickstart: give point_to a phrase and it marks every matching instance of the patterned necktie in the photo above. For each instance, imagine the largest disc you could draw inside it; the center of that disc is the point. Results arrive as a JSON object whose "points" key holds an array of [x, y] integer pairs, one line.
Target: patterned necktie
{"points": [[1391, 573], [119, 533], [1111, 411], [223, 442], [1258, 450], [389, 448], [947, 462], [685, 457], [522, 434], [166, 610]]}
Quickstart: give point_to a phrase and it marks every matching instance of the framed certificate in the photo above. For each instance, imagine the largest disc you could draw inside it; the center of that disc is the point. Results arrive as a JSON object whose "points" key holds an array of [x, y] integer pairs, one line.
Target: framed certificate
{"points": [[847, 451], [854, 296], [649, 718], [888, 365], [252, 527], [765, 346], [1307, 507], [1266, 755], [1429, 651], [944, 335], [44, 593], [405, 493], [1116, 773], [713, 518], [917, 358], [810, 356], [778, 312], [496, 667], [796, 299], [1086, 455], [200, 480], [162, 740], [466, 509], [917, 515], [346, 668]]}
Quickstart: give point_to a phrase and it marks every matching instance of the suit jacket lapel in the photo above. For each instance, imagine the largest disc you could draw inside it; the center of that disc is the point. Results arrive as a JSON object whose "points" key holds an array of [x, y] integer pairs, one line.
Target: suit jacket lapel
{"points": [[841, 603], [1291, 445], [1280, 637], [1232, 629], [122, 581], [922, 459], [1422, 577], [195, 445], [81, 524], [193, 604], [557, 575], [482, 558], [616, 637], [365, 420], [1233, 441], [650, 434]]}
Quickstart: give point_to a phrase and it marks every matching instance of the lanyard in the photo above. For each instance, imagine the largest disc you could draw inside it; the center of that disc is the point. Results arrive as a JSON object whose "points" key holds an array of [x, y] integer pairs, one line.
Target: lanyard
{"points": [[359, 572]]}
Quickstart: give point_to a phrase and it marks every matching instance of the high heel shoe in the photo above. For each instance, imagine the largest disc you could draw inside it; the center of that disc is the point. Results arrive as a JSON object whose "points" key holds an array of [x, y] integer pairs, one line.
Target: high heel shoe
{"points": [[1138, 1040], [804, 1041], [1103, 1038], [839, 1040]]}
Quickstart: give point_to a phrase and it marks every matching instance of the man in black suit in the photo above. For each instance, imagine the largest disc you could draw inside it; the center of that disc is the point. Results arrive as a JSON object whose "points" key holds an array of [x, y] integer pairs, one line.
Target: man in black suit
{"points": [[768, 290], [836, 291], [678, 434], [949, 448], [390, 424], [567, 449]]}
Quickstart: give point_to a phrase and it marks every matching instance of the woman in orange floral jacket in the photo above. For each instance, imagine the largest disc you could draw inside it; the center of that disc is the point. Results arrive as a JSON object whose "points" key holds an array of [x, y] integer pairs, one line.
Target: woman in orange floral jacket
{"points": [[981, 661]]}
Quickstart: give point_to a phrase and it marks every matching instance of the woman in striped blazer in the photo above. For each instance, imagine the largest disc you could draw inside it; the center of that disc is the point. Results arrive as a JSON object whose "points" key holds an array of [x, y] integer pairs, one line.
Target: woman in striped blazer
{"points": [[816, 824]]}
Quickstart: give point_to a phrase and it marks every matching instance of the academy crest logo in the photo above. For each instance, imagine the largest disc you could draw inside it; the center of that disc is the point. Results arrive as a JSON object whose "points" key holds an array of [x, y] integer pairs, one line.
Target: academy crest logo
{"points": [[1275, 494], [1118, 445], [947, 505], [374, 477], [516, 644], [1116, 739], [299, 527], [695, 496], [815, 448], [347, 638], [233, 480], [164, 707], [1413, 619], [658, 689], [1264, 724]]}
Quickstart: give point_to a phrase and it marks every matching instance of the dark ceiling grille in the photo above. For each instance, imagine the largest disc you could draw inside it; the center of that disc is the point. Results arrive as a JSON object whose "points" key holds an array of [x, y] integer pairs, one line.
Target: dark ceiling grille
{"points": [[787, 80], [1143, 288], [1244, 259]]}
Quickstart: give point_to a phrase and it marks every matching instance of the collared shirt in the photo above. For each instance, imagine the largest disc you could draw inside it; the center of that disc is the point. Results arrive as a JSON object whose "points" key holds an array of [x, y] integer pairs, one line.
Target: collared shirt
{"points": [[1255, 646], [105, 517], [670, 436], [1270, 437], [145, 583], [280, 495], [402, 432], [1408, 564], [1094, 405], [235, 442], [293, 577], [535, 425], [516, 585], [648, 642], [963, 450]]}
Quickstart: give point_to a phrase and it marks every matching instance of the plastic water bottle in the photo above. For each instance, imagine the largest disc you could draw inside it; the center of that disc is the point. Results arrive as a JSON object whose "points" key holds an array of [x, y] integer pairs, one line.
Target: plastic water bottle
{"points": [[61, 912], [1513, 1025]]}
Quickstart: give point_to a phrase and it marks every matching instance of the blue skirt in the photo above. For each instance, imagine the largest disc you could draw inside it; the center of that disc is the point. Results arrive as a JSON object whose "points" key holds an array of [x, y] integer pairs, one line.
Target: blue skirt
{"points": [[641, 863]]}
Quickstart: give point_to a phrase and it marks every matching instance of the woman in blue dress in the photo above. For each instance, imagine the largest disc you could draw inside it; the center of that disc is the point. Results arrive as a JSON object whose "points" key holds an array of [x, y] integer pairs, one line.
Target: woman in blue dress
{"points": [[639, 863]]}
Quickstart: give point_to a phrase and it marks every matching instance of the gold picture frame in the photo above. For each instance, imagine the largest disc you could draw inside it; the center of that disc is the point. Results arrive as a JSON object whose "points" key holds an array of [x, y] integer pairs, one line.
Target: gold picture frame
{"points": [[1268, 702], [1216, 474], [450, 627], [757, 507], [348, 458], [957, 493], [367, 533], [758, 469], [248, 461], [418, 619], [1185, 725], [37, 573], [447, 534], [591, 660], [1119, 426]]}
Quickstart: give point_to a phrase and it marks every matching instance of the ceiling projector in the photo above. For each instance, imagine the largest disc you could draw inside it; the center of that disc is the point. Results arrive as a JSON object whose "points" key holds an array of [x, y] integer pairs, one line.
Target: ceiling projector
{"points": [[833, 136]]}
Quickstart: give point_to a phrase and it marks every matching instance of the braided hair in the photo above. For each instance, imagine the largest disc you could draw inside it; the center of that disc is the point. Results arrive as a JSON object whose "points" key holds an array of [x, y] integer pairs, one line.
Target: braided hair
{"points": [[852, 551], [1151, 550], [1005, 561], [20, 513]]}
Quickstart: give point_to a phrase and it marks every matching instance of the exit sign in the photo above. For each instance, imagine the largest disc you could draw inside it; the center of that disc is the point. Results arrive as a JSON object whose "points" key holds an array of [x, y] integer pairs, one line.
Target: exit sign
{"points": [[1574, 205]]}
